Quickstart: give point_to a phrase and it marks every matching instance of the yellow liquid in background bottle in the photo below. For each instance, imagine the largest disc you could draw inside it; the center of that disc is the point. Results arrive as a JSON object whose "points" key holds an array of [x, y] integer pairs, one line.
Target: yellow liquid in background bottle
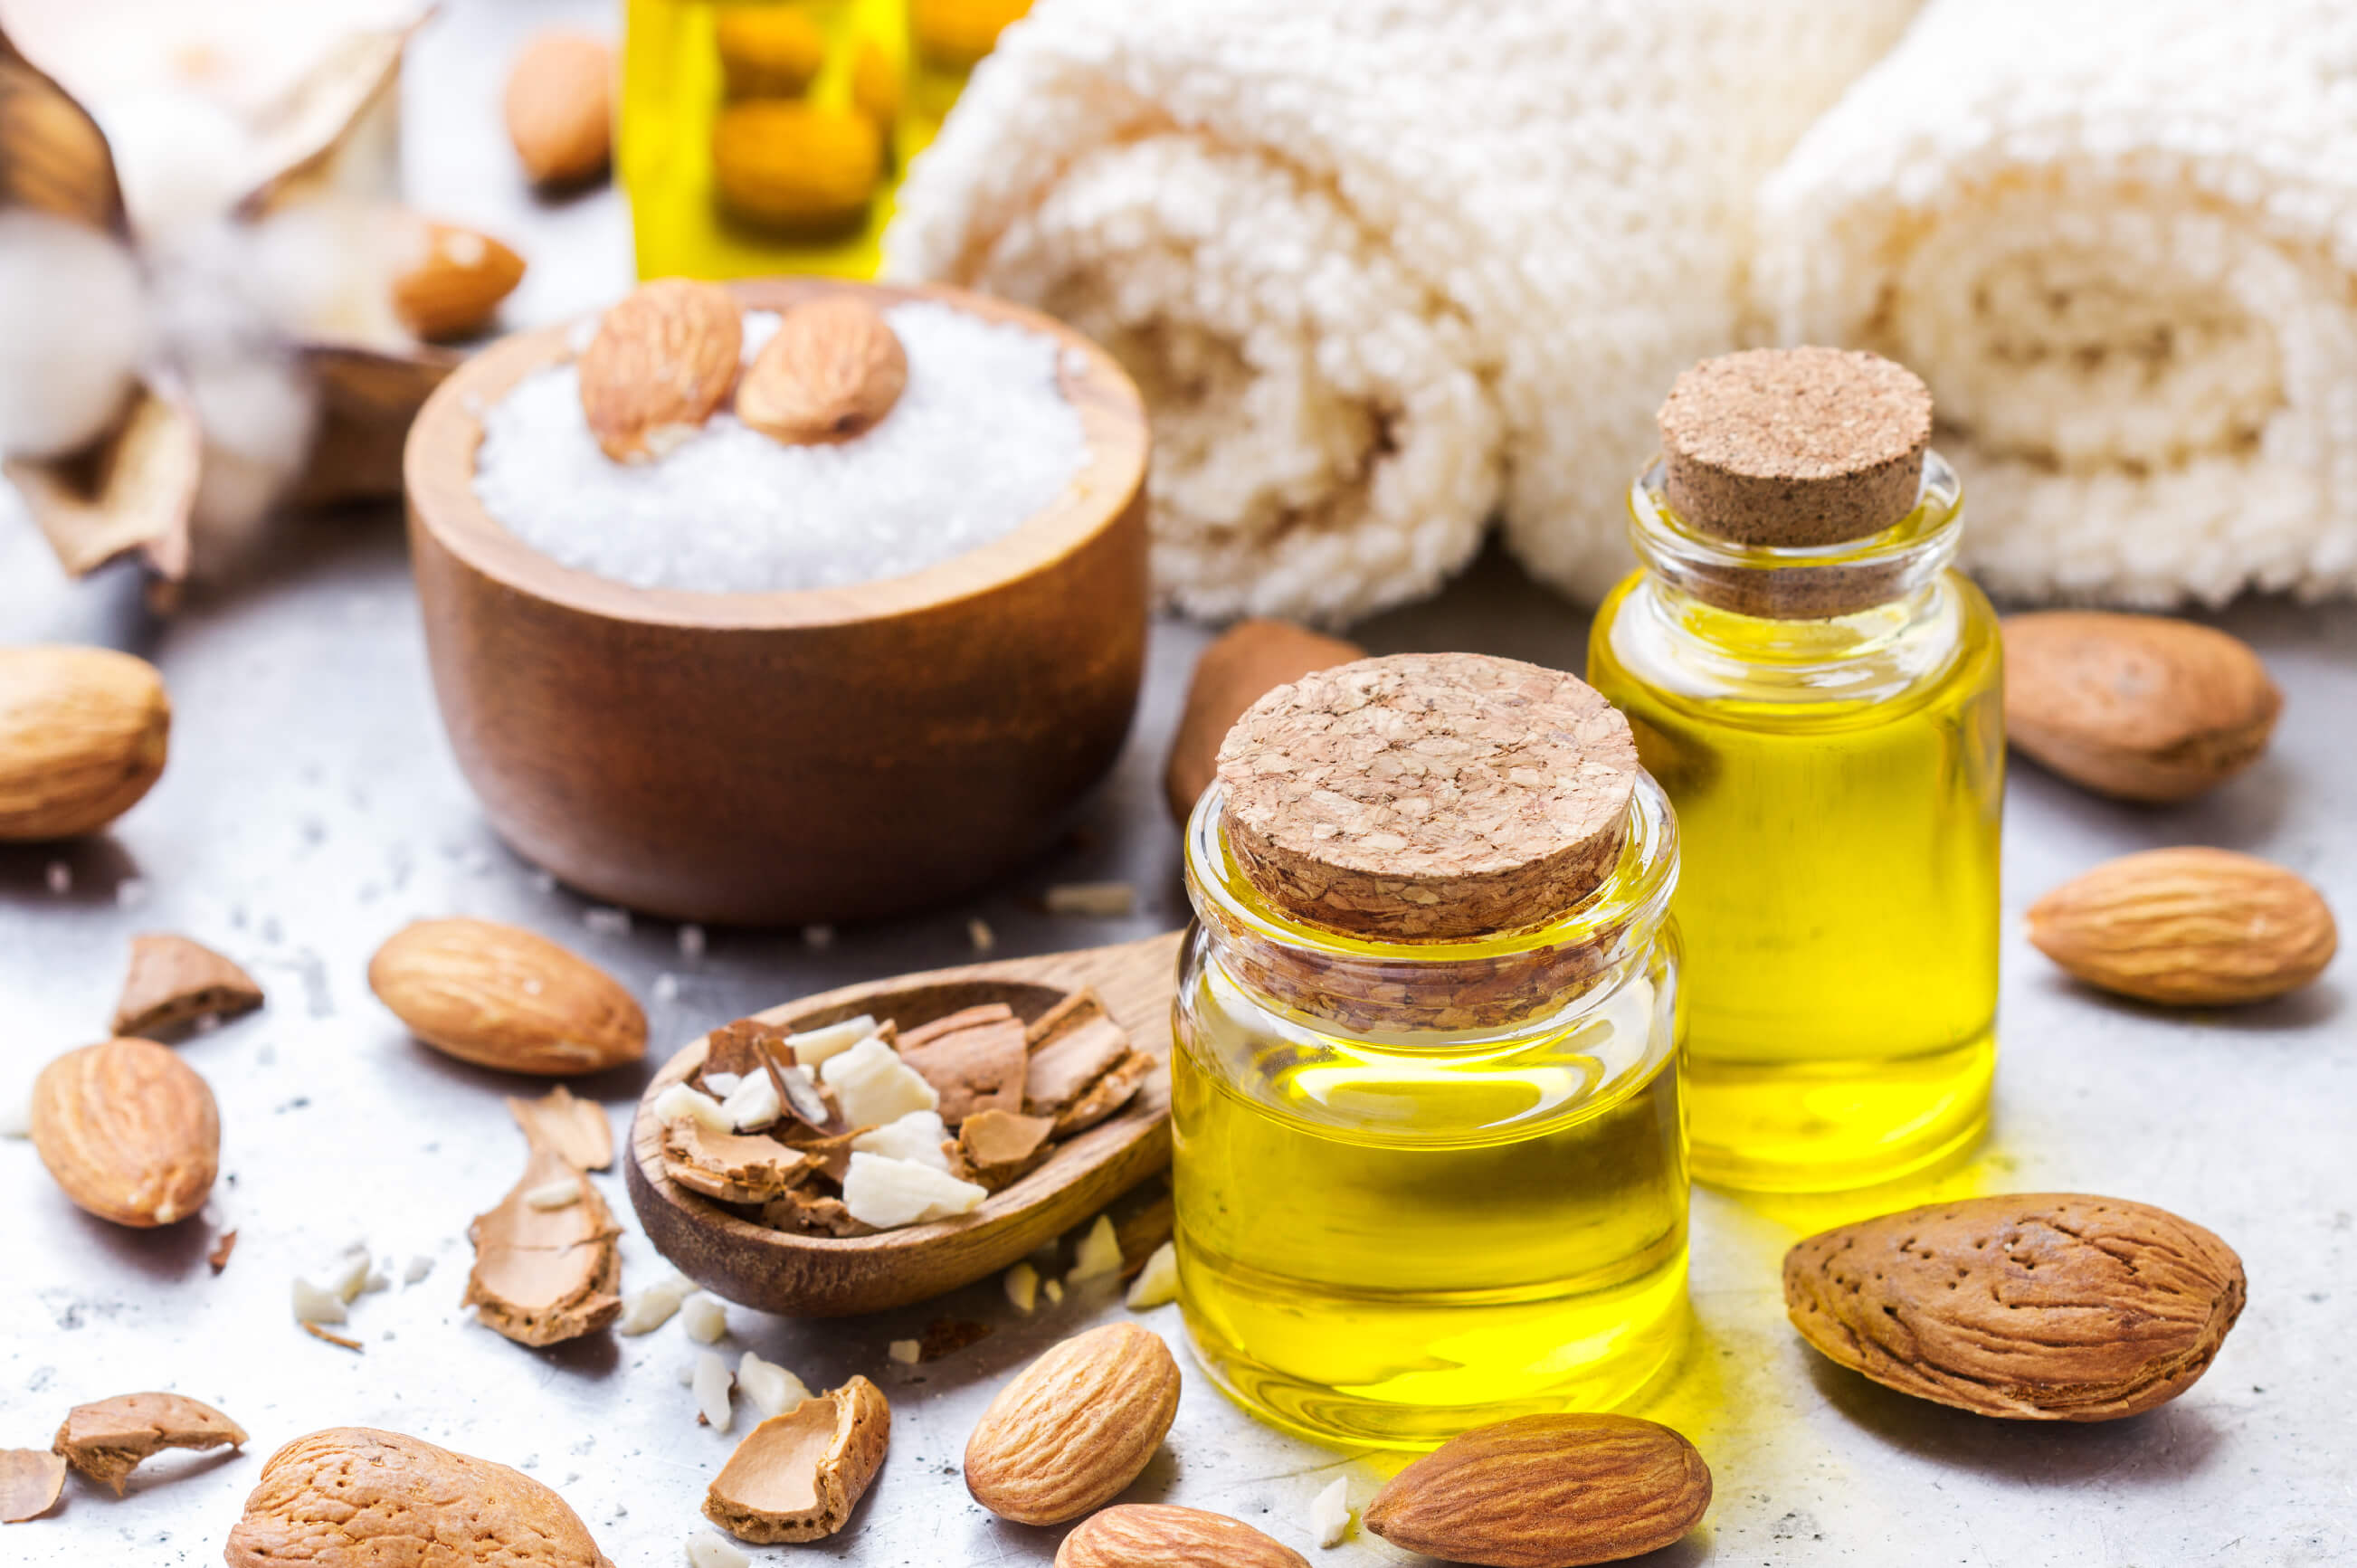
{"points": [[1388, 1243], [1838, 786], [773, 174]]}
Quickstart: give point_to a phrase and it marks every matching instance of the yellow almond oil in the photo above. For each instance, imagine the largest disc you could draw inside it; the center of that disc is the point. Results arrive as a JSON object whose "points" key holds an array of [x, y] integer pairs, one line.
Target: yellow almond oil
{"points": [[762, 137], [1389, 1233], [1838, 784]]}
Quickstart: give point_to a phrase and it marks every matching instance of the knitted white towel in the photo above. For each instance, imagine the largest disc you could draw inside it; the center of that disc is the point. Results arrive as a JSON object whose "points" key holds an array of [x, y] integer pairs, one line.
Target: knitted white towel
{"points": [[2119, 240], [1382, 266]]}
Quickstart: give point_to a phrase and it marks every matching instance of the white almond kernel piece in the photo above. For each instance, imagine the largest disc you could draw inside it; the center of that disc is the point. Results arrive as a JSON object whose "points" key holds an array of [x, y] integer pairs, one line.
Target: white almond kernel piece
{"points": [[705, 1320], [884, 1192], [1098, 1255], [646, 1310], [1023, 1287], [711, 1550], [1156, 1283], [907, 1352], [554, 1195], [681, 1103], [312, 1304], [711, 1385], [874, 1086], [1329, 1514], [816, 1046], [768, 1388], [753, 1105], [917, 1136]]}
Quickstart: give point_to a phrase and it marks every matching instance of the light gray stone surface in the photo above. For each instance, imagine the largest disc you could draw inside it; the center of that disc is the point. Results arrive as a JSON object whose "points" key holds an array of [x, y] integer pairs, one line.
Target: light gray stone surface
{"points": [[312, 806]]}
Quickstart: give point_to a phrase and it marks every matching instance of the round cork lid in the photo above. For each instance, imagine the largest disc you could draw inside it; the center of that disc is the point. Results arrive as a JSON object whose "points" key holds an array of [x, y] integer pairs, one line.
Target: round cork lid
{"points": [[1427, 795], [1795, 447]]}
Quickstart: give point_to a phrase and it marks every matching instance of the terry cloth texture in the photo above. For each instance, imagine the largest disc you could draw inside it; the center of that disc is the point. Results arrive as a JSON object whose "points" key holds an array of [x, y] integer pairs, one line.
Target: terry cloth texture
{"points": [[2119, 240], [1384, 268]]}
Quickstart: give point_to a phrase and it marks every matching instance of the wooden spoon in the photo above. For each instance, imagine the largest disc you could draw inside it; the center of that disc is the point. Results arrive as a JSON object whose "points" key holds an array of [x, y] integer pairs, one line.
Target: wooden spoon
{"points": [[828, 1276]]}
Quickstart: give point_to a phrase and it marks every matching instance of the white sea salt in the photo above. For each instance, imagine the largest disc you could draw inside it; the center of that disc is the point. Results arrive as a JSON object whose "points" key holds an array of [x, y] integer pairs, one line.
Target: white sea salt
{"points": [[981, 440]]}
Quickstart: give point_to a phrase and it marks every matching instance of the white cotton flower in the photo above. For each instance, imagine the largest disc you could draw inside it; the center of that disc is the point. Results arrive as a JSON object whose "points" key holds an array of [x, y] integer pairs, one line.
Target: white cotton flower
{"points": [[73, 325]]}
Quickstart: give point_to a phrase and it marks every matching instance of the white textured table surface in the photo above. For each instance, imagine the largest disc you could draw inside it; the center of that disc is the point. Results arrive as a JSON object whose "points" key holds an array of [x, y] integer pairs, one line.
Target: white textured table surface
{"points": [[312, 806]]}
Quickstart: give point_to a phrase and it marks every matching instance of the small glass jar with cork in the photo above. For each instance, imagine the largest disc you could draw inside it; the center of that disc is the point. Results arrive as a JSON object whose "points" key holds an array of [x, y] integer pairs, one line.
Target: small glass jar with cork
{"points": [[1819, 692], [1428, 1156]]}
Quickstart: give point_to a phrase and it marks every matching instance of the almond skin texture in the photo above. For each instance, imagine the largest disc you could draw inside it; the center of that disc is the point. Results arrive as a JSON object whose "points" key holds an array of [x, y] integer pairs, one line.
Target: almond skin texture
{"points": [[129, 1131], [560, 109], [2139, 707], [1075, 1427], [105, 1441], [83, 733], [2038, 1306], [1149, 1535], [454, 286], [1547, 1491], [833, 370], [505, 998], [2189, 928], [352, 1496], [661, 362]]}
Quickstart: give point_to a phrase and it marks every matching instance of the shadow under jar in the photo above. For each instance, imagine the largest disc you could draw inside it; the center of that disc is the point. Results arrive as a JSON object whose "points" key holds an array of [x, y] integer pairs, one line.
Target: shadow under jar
{"points": [[1425, 1182], [1821, 697]]}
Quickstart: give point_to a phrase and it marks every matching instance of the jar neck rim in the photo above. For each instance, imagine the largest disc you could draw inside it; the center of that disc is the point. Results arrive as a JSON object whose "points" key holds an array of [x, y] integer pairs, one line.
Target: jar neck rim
{"points": [[1800, 582], [1633, 897]]}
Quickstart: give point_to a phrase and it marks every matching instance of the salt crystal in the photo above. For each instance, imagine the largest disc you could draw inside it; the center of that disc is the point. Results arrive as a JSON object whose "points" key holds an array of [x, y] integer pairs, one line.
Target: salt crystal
{"points": [[981, 440], [820, 937], [131, 893], [607, 922], [690, 942], [59, 877], [978, 932], [666, 987]]}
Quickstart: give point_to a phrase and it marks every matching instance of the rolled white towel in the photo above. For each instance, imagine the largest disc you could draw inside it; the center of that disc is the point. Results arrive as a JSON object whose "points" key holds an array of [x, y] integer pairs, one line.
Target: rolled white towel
{"points": [[2119, 240], [1383, 267]]}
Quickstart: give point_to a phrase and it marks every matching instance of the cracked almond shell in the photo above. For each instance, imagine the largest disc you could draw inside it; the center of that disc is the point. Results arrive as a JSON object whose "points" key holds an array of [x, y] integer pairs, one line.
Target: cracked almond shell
{"points": [[30, 1482], [502, 997], [129, 1131], [798, 1476], [545, 1275], [352, 1496], [1075, 1427], [2041, 1306], [107, 1440], [174, 982], [1547, 1491]]}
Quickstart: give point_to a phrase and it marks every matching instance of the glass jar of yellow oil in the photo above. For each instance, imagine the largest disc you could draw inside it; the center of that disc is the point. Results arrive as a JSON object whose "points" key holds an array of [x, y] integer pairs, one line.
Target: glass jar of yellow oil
{"points": [[1820, 695], [768, 137], [1429, 1172]]}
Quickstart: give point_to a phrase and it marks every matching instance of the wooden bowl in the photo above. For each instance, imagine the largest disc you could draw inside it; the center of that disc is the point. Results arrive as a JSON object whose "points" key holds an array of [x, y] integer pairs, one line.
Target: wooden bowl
{"points": [[828, 1276], [793, 757]]}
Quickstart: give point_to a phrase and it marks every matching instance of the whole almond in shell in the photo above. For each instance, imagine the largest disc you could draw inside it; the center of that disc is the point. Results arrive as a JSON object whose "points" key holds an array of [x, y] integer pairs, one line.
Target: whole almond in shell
{"points": [[1547, 1491], [661, 362], [1075, 1427], [560, 109], [83, 733], [832, 369], [353, 1497], [2037, 1306], [2190, 928], [453, 284], [129, 1131], [1151, 1535], [2140, 707], [505, 998]]}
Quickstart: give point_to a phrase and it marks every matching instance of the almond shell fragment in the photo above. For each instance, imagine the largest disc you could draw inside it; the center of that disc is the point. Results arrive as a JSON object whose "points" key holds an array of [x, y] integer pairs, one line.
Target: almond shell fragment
{"points": [[798, 1476], [105, 1441]]}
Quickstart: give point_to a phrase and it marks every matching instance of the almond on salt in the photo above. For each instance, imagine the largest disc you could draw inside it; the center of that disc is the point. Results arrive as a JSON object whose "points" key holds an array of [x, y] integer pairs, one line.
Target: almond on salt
{"points": [[129, 1131], [502, 997], [1547, 1491], [1075, 1427], [1153, 1535], [831, 373], [560, 108], [2189, 928], [661, 361], [83, 733], [2140, 707], [2037, 1306], [105, 1441], [798, 1476]]}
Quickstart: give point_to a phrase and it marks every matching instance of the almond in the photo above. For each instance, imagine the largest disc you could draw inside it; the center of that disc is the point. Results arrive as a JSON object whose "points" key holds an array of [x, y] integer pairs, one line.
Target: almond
{"points": [[662, 360], [1075, 1427], [175, 981], [560, 109], [2188, 927], [767, 51], [800, 169], [833, 370], [1151, 1535], [2141, 707], [2041, 1306], [505, 998], [83, 733], [453, 286], [105, 1441], [1244, 664], [1547, 1491], [129, 1131], [352, 1496], [798, 1475]]}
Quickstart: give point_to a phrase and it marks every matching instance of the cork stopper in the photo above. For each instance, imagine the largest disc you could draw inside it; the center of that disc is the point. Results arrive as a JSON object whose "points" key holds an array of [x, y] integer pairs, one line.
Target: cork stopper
{"points": [[1795, 447], [1427, 796]]}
